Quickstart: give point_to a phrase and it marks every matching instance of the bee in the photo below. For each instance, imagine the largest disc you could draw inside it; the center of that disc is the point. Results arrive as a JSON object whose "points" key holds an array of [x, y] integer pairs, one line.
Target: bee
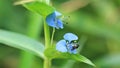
{"points": [[74, 44]]}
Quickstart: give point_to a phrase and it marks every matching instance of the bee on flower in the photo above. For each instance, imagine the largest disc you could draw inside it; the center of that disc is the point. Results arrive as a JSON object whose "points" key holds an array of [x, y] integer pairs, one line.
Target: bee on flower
{"points": [[68, 44]]}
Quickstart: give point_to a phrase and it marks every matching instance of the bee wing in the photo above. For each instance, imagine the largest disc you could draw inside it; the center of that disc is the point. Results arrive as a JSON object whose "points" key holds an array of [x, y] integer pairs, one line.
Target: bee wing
{"points": [[61, 46]]}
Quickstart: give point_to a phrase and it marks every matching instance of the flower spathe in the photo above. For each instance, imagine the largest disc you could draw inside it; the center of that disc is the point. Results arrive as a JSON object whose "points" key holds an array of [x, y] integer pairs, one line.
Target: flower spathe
{"points": [[53, 20], [68, 44]]}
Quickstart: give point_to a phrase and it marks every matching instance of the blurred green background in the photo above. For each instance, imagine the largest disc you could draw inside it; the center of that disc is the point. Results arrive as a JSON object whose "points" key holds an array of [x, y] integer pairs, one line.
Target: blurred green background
{"points": [[96, 22]]}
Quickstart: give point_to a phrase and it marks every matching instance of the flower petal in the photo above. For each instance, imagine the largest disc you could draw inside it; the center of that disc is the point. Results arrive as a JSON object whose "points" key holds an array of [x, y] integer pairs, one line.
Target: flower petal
{"points": [[50, 20], [53, 21], [60, 24], [61, 46], [70, 37]]}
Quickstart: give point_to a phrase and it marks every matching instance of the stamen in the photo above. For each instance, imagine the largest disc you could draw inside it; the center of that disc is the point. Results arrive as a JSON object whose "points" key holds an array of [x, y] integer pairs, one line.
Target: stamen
{"points": [[65, 19]]}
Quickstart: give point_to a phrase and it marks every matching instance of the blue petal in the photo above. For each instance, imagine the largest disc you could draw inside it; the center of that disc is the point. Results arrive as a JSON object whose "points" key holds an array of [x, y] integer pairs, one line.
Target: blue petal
{"points": [[70, 37], [50, 19], [57, 13], [60, 24], [61, 46]]}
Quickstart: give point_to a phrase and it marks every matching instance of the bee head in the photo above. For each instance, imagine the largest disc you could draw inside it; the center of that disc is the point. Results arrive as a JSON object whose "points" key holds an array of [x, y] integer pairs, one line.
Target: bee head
{"points": [[74, 44]]}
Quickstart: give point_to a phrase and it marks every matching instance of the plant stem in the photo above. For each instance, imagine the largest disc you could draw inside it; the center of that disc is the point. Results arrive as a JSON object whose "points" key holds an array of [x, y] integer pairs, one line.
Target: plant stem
{"points": [[47, 61], [47, 35], [34, 29], [52, 35]]}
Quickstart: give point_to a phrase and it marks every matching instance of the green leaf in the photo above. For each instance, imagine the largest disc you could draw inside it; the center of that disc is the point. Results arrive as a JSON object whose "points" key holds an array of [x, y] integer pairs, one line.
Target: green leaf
{"points": [[21, 42], [40, 8], [52, 54]]}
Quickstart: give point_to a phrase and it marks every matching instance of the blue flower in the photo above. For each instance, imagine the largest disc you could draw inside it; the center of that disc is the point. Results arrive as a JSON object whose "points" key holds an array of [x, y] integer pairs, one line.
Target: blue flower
{"points": [[68, 44], [53, 20]]}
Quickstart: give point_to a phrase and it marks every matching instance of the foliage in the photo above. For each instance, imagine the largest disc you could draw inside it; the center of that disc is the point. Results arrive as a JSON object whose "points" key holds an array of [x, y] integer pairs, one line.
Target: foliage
{"points": [[97, 20]]}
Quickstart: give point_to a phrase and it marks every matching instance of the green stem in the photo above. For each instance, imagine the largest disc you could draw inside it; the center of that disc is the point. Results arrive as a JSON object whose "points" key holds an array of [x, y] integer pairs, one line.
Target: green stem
{"points": [[52, 35], [47, 35], [47, 61], [34, 29]]}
